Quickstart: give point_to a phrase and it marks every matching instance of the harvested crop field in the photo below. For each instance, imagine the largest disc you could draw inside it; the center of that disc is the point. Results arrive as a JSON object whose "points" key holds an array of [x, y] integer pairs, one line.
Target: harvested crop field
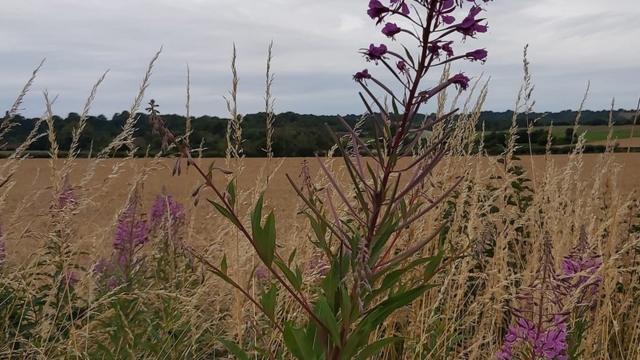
{"points": [[30, 198]]}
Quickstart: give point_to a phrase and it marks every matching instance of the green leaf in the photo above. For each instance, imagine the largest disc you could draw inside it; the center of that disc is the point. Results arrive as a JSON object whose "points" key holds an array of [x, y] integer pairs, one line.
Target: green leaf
{"points": [[393, 277], [299, 344], [231, 190], [295, 278], [378, 315], [325, 314], [268, 302], [320, 230], [292, 257], [223, 264], [266, 243], [382, 238], [432, 267], [264, 237], [256, 217], [235, 349], [376, 347], [226, 213]]}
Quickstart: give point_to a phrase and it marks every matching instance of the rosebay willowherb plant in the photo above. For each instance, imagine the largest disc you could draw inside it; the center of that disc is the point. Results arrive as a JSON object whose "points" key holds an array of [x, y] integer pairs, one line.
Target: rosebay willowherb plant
{"points": [[356, 226], [550, 322]]}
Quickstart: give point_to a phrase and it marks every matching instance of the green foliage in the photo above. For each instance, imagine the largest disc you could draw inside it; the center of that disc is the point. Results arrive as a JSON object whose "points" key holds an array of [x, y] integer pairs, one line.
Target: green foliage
{"points": [[296, 135]]}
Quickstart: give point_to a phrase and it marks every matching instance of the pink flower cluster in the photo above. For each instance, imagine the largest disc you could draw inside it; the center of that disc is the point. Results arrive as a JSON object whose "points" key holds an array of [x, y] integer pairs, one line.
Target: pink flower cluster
{"points": [[549, 343], [546, 337], [132, 232], [166, 212], [432, 32], [580, 268]]}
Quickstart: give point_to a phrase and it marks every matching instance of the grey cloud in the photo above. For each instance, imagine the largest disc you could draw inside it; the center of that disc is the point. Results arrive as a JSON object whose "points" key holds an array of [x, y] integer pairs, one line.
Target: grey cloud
{"points": [[316, 47]]}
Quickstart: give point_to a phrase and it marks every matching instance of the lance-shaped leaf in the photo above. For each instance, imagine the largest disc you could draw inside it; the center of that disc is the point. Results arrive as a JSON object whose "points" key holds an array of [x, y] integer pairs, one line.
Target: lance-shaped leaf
{"points": [[294, 277], [235, 349], [377, 316], [325, 314], [376, 347], [268, 302], [264, 236], [224, 212], [300, 343]]}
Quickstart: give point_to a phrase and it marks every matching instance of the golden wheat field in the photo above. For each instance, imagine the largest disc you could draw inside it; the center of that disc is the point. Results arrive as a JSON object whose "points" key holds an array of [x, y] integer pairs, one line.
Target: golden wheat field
{"points": [[27, 203]]}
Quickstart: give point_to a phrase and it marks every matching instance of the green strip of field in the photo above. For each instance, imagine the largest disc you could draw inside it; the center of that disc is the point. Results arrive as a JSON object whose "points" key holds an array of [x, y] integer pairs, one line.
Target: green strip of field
{"points": [[598, 133]]}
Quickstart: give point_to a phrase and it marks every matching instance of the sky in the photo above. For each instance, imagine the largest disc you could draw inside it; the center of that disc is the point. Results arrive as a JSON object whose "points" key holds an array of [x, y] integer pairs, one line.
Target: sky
{"points": [[316, 47]]}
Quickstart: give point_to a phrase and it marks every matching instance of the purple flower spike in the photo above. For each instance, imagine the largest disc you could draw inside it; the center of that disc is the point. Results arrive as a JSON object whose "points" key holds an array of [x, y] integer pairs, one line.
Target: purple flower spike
{"points": [[130, 232], [66, 198], [460, 80], [377, 10], [362, 75], [546, 343], [391, 29], [477, 55], [166, 211], [376, 52], [580, 267], [130, 235]]}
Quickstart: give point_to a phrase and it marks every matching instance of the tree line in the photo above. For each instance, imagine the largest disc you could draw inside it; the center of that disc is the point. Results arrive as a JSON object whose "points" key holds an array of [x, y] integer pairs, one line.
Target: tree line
{"points": [[296, 135]]}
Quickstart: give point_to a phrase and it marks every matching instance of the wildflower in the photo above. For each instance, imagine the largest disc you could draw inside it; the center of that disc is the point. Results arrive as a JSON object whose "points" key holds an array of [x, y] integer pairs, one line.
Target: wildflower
{"points": [[166, 211], [402, 7], [470, 25], [541, 327], [101, 267], [447, 6], [460, 80], [446, 47], [582, 268], [448, 19], [362, 75], [477, 55], [377, 10], [67, 197], [581, 265], [376, 52], [130, 234], [70, 279], [402, 66], [391, 29], [262, 273], [548, 343], [435, 47]]}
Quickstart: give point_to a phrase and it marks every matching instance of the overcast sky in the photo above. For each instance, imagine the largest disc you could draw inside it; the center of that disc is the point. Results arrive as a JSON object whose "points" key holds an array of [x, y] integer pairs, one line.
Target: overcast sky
{"points": [[316, 43]]}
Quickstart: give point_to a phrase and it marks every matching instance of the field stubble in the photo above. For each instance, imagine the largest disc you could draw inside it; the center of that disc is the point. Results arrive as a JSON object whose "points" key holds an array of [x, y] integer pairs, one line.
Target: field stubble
{"points": [[29, 200]]}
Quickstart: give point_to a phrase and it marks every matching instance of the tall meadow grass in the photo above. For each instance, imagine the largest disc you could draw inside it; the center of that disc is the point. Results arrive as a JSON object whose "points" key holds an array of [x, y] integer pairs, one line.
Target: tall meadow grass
{"points": [[480, 258]]}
